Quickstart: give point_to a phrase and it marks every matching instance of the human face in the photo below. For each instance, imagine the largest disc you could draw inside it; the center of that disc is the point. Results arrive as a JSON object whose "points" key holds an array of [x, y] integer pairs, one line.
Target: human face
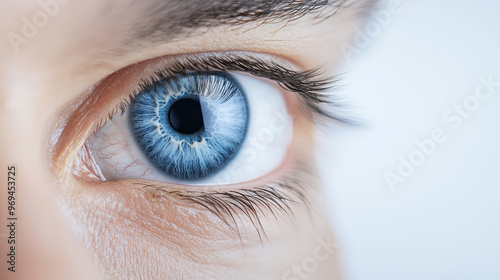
{"points": [[68, 71]]}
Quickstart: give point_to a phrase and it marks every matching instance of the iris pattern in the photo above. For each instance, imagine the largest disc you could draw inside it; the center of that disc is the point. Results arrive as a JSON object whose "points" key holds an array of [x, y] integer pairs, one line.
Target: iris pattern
{"points": [[190, 126]]}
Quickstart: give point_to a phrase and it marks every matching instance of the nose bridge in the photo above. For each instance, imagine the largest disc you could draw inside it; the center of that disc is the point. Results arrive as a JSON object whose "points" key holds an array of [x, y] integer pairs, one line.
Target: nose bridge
{"points": [[43, 245]]}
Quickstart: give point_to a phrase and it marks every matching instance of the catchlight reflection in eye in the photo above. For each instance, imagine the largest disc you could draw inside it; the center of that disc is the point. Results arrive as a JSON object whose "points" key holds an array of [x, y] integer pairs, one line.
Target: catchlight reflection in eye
{"points": [[197, 128]]}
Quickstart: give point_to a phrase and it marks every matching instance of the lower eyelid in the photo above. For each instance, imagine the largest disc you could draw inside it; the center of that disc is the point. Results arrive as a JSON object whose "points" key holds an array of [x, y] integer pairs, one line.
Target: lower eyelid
{"points": [[156, 202], [249, 209]]}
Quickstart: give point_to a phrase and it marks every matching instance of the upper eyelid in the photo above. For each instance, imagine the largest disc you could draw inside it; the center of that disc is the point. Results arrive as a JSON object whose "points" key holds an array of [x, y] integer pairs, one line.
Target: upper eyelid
{"points": [[264, 67], [312, 86]]}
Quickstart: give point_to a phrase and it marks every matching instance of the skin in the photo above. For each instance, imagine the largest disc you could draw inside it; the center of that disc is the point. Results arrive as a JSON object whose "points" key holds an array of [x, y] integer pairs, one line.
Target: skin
{"points": [[75, 229]]}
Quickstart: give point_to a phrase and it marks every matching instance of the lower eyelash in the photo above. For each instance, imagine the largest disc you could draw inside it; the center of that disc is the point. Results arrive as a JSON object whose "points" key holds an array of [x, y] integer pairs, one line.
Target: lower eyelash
{"points": [[254, 203]]}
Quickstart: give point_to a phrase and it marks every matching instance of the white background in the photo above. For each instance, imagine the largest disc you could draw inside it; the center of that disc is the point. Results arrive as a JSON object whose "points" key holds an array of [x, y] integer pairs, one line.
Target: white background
{"points": [[443, 222]]}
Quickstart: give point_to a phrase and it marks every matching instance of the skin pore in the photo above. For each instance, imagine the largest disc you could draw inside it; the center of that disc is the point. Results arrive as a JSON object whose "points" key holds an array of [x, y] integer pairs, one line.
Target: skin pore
{"points": [[57, 86]]}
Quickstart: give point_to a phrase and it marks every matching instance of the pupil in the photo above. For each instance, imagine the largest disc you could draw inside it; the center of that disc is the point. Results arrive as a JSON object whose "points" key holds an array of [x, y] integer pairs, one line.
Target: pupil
{"points": [[185, 116]]}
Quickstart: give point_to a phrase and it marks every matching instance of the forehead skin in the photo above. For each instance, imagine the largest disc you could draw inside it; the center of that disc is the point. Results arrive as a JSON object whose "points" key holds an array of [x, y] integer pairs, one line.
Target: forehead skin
{"points": [[93, 38], [82, 42]]}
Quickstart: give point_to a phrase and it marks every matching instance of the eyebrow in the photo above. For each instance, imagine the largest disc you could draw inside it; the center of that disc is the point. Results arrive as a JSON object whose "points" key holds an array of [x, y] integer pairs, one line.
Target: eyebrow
{"points": [[170, 18]]}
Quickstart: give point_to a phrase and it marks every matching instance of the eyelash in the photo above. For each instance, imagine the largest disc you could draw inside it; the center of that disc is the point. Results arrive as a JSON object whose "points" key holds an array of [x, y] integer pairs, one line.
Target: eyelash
{"points": [[320, 106], [277, 196]]}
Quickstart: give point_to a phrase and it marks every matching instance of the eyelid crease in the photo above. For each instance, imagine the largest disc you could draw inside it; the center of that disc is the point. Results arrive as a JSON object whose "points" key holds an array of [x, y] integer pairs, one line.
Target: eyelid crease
{"points": [[314, 91]]}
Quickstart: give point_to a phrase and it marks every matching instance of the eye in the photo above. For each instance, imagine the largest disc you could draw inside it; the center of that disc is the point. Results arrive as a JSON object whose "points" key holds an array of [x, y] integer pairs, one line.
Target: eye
{"points": [[204, 128], [228, 134]]}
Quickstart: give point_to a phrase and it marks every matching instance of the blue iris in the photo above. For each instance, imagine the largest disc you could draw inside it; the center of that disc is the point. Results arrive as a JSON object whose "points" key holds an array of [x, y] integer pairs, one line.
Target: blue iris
{"points": [[190, 126]]}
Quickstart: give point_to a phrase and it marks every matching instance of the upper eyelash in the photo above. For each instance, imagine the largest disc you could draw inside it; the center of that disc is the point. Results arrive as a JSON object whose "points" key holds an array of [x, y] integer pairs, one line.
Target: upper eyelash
{"points": [[307, 84]]}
